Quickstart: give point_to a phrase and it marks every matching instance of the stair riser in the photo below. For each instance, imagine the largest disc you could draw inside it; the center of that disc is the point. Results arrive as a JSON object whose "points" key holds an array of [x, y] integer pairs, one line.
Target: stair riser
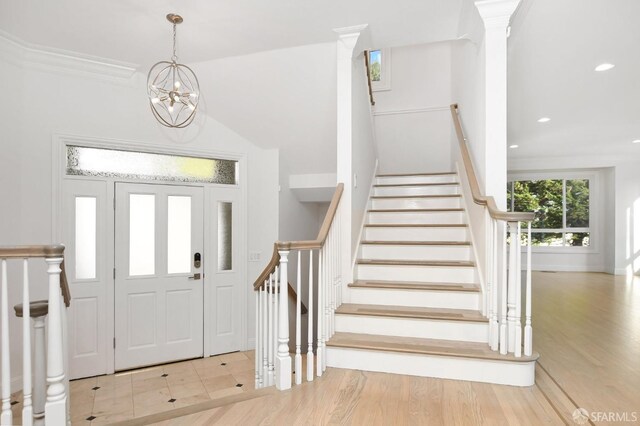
{"points": [[417, 298], [463, 331], [372, 251], [443, 274], [417, 190], [444, 367], [417, 218], [417, 203], [416, 234], [400, 180]]}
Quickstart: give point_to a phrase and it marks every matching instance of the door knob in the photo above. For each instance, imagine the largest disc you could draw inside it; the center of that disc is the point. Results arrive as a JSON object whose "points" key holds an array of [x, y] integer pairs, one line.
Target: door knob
{"points": [[195, 277]]}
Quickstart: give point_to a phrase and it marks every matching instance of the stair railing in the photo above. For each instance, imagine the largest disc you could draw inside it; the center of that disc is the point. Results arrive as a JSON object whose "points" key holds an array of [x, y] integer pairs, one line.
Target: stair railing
{"points": [[35, 410], [503, 276], [273, 360]]}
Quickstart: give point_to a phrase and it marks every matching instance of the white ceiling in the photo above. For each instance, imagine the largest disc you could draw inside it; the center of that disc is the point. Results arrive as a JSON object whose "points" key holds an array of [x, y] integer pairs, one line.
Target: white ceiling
{"points": [[553, 50], [136, 31]]}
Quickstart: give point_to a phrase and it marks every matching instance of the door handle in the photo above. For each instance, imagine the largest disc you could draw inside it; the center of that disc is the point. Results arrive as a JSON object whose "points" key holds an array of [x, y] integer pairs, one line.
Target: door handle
{"points": [[195, 277]]}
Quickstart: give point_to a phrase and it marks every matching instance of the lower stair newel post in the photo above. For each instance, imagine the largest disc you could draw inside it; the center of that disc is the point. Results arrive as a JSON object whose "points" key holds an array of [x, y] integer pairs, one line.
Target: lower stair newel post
{"points": [[283, 359], [320, 344], [528, 331], [514, 246]]}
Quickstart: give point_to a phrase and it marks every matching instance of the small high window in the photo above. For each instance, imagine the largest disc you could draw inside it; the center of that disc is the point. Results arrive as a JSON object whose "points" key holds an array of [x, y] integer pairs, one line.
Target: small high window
{"points": [[380, 69]]}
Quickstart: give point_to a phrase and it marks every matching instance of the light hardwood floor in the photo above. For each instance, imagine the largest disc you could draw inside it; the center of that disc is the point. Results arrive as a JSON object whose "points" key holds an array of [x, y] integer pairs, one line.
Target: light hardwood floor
{"points": [[586, 329]]}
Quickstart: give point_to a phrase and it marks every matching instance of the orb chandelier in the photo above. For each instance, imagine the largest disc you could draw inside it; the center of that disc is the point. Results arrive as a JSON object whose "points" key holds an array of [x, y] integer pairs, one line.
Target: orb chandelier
{"points": [[173, 88]]}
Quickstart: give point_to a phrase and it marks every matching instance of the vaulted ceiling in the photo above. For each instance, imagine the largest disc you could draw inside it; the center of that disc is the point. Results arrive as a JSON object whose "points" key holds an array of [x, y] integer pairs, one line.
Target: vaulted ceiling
{"points": [[136, 31]]}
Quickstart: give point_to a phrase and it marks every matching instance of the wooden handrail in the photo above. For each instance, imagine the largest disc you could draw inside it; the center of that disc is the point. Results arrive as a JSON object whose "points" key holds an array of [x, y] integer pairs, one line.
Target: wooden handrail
{"points": [[318, 243], [41, 251], [368, 67], [489, 202]]}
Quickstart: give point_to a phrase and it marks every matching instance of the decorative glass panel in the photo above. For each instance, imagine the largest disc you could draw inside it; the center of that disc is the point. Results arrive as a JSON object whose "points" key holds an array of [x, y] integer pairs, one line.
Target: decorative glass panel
{"points": [[178, 234], [84, 161], [85, 244], [375, 64], [577, 203], [142, 234], [225, 256]]}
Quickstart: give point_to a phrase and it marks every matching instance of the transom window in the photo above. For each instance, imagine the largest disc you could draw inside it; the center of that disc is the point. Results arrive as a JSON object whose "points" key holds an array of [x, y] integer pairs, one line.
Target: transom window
{"points": [[562, 210]]}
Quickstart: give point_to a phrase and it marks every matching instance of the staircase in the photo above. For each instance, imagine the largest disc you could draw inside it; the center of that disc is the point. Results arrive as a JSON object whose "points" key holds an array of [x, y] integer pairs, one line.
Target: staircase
{"points": [[416, 305]]}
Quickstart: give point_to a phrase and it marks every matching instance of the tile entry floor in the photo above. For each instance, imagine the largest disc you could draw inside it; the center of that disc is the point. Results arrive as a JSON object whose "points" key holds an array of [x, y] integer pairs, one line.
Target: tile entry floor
{"points": [[123, 396]]}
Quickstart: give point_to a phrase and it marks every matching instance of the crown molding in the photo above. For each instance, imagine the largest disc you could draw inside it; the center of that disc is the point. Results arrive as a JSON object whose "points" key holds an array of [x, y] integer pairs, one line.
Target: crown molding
{"points": [[21, 53]]}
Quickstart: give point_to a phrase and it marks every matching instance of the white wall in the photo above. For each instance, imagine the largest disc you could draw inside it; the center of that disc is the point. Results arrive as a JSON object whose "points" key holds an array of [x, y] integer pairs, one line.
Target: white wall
{"points": [[413, 128], [66, 100], [363, 148]]}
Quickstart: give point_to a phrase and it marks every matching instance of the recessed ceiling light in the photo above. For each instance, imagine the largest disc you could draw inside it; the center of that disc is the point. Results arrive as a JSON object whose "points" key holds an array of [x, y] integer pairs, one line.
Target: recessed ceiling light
{"points": [[635, 141], [515, 146], [604, 67], [544, 120]]}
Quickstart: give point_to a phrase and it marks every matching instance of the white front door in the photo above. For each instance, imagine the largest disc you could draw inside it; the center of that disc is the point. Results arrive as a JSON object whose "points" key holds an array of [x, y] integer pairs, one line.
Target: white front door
{"points": [[158, 279]]}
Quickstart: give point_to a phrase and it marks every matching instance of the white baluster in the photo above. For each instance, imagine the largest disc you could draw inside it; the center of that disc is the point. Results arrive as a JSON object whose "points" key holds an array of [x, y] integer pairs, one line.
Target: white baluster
{"points": [[276, 303], [528, 331], [518, 326], [511, 288], [265, 334], [271, 330], [493, 321], [27, 409], [283, 360], [6, 418], [503, 295], [257, 357], [298, 358], [65, 347], [320, 344], [39, 393], [55, 411], [325, 304], [310, 321]]}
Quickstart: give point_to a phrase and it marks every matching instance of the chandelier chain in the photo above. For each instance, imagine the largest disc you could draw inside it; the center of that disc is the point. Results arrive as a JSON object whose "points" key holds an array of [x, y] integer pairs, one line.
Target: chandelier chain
{"points": [[174, 58]]}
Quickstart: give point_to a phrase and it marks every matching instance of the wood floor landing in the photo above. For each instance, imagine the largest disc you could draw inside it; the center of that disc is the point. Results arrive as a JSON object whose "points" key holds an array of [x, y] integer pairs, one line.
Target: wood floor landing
{"points": [[422, 346], [411, 312], [407, 285], [416, 243]]}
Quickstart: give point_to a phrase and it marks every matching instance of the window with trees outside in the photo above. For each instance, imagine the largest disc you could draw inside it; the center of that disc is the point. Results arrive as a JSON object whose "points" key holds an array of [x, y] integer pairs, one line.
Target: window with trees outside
{"points": [[561, 206], [379, 69]]}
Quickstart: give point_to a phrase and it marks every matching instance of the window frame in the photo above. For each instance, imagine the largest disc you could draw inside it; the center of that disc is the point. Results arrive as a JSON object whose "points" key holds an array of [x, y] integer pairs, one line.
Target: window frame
{"points": [[594, 223], [385, 71]]}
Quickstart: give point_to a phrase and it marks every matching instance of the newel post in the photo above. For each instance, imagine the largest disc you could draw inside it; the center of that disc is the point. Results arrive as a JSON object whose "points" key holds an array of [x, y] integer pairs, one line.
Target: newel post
{"points": [[283, 359]]}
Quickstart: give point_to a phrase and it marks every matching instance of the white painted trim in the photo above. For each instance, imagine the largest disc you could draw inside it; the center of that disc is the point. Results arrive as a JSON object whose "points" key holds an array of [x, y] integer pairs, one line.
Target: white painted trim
{"points": [[354, 257], [479, 268], [570, 268], [50, 58], [412, 110], [251, 343]]}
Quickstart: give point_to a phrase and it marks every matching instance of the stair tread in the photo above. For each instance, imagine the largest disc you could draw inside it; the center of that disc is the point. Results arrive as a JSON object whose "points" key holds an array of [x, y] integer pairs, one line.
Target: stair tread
{"points": [[416, 225], [410, 285], [417, 196], [387, 185], [411, 312], [416, 174], [422, 346], [416, 243], [443, 209], [400, 262]]}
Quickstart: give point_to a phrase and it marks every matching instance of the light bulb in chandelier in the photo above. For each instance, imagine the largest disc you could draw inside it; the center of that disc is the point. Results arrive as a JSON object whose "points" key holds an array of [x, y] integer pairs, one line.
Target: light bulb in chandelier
{"points": [[170, 83]]}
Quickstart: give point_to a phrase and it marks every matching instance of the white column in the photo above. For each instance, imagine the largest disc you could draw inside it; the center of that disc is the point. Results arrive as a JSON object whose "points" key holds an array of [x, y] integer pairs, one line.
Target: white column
{"points": [[27, 409], [283, 359], [528, 331], [298, 358], [55, 407], [346, 50], [496, 15], [512, 286], [310, 321], [320, 326]]}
